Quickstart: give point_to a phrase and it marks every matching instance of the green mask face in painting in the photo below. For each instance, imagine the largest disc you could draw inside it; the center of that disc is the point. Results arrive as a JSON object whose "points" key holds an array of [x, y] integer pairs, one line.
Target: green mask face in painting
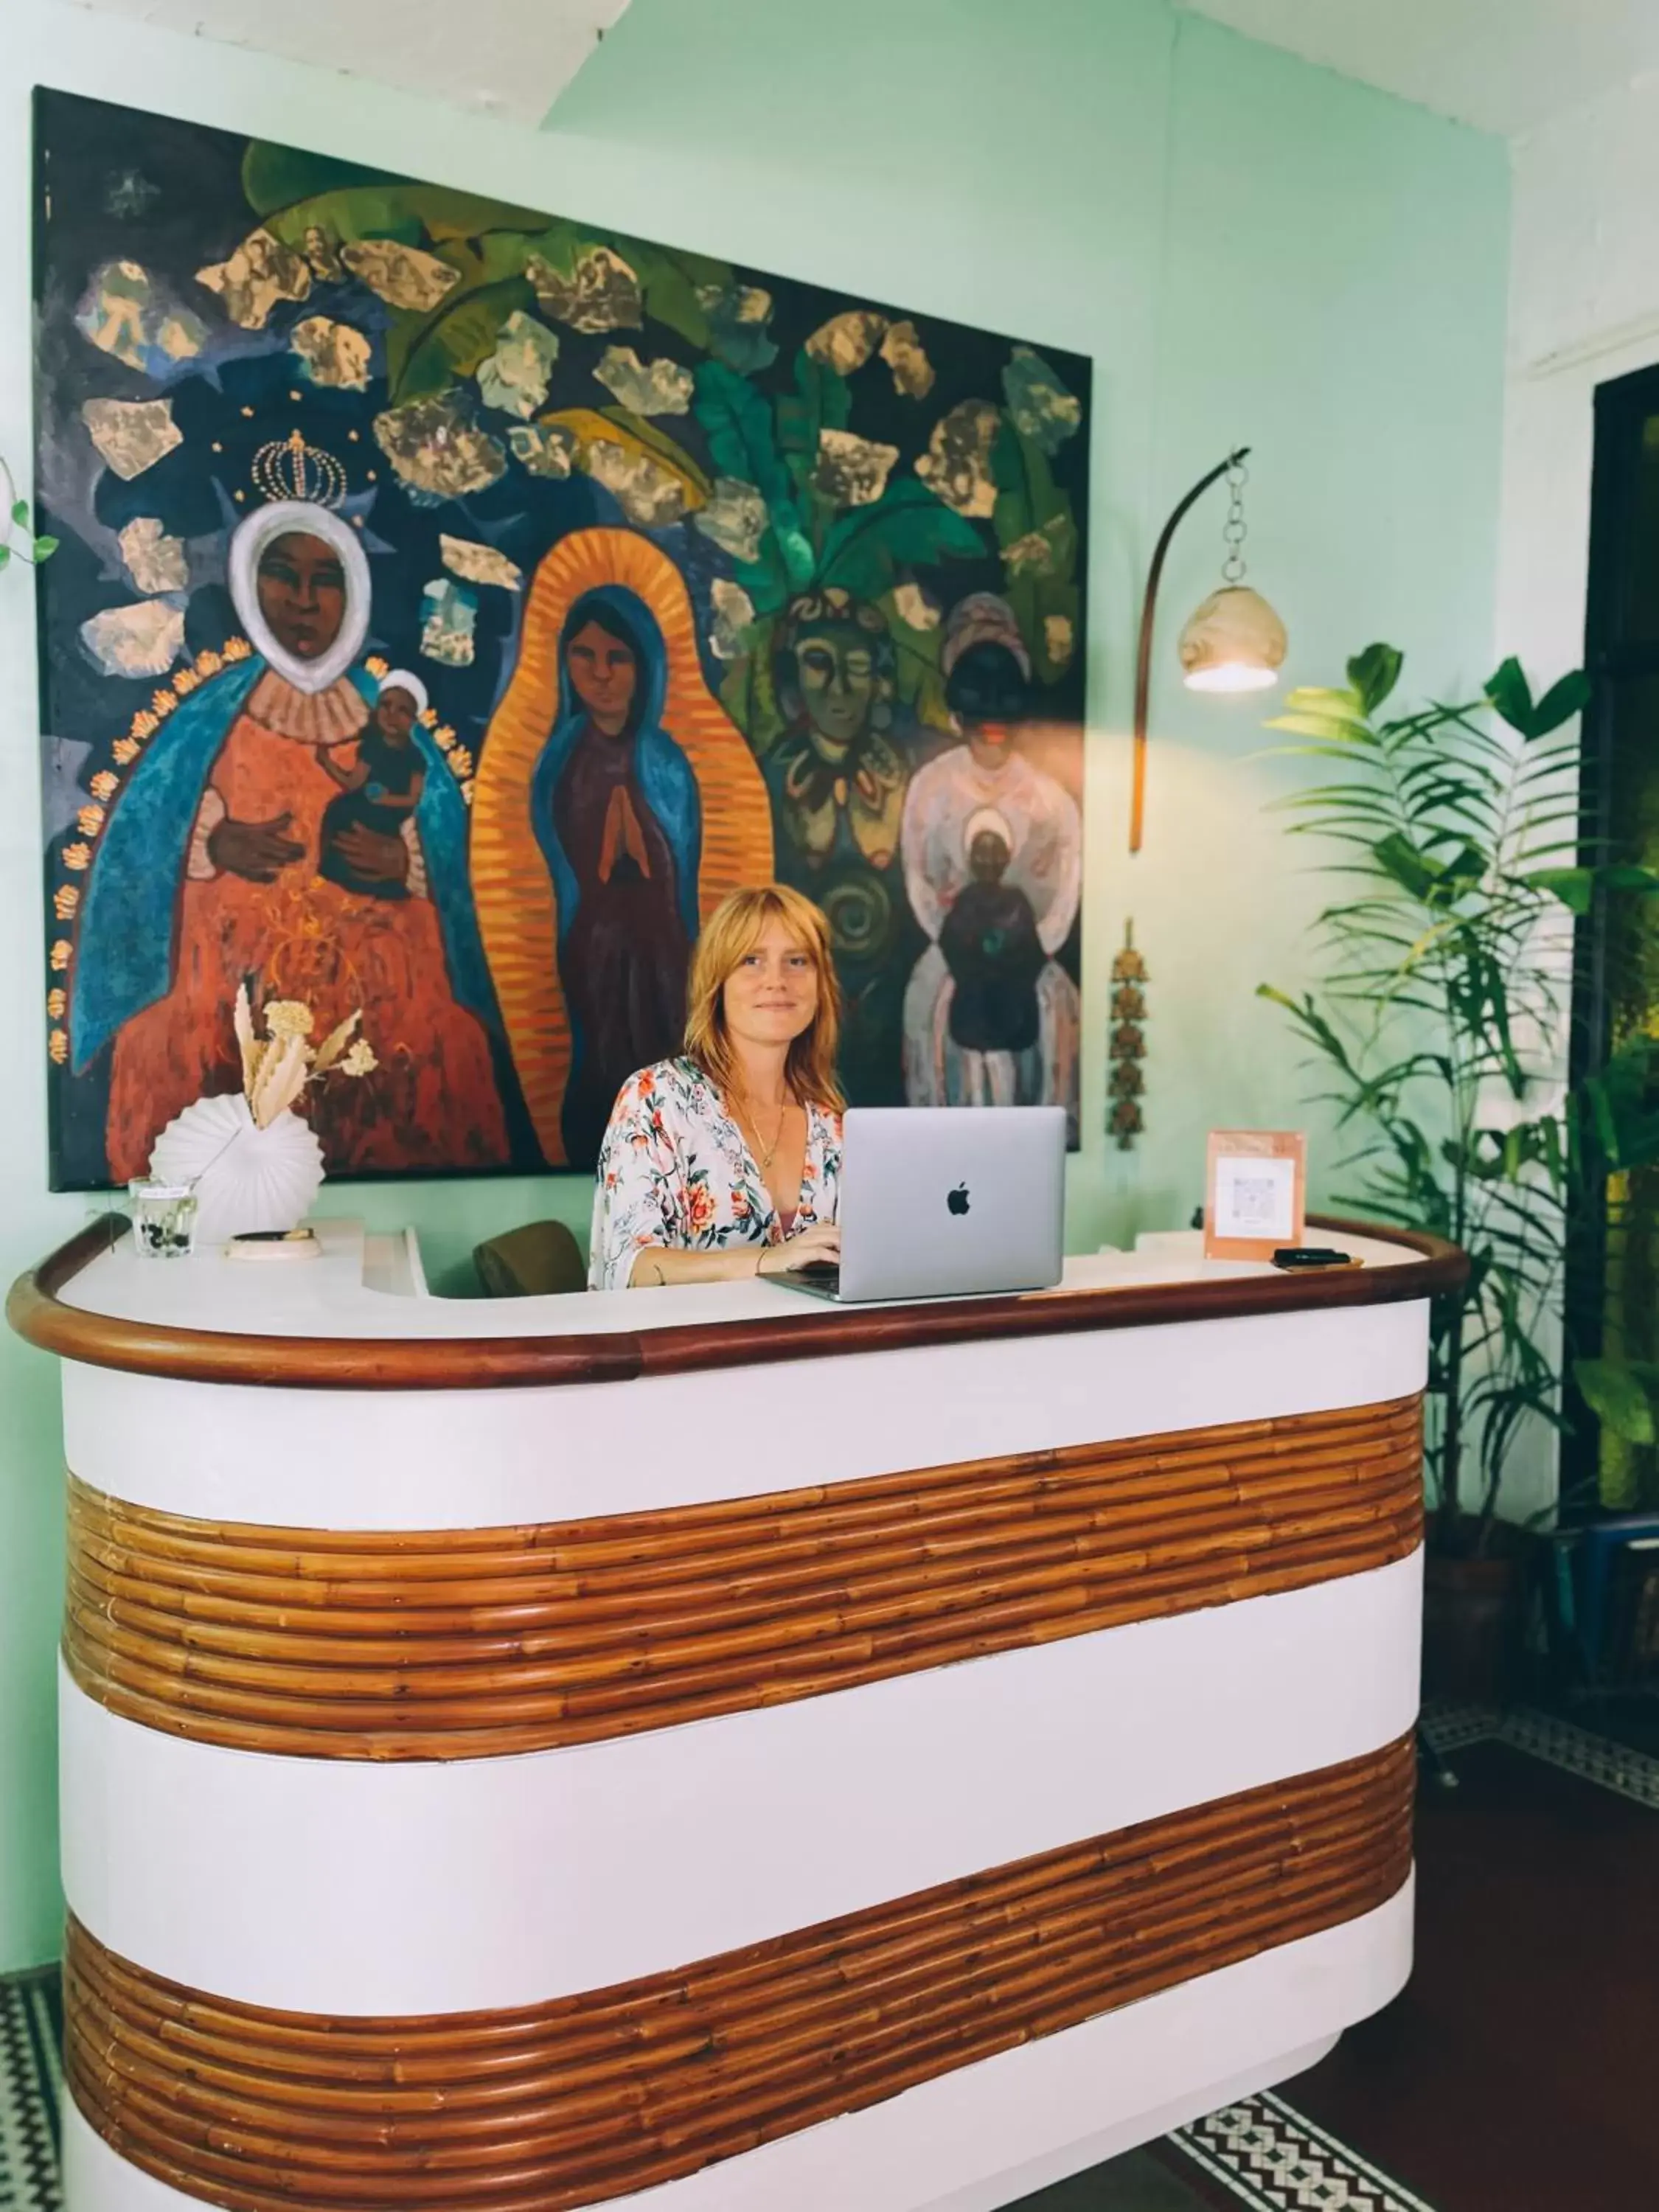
{"points": [[835, 669]]}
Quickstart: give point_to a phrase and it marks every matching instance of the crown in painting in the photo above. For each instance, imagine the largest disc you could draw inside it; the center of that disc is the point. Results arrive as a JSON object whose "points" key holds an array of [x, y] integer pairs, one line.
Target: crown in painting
{"points": [[288, 468]]}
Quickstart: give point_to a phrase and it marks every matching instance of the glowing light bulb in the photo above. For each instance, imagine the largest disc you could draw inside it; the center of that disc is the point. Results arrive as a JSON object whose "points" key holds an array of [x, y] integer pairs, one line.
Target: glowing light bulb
{"points": [[1232, 676]]}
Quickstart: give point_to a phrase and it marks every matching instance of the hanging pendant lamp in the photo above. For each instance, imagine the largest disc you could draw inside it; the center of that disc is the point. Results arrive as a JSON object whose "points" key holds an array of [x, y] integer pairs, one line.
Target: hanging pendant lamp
{"points": [[1233, 642]]}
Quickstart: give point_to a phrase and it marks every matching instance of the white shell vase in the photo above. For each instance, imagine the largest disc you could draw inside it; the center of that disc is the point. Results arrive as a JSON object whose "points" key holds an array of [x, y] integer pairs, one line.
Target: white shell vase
{"points": [[246, 1178]]}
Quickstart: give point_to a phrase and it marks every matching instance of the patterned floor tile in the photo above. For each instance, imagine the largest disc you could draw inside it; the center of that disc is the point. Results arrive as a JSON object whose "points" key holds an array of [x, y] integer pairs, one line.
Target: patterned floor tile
{"points": [[1616, 1766], [30, 2087], [1633, 1774], [1274, 2159], [1449, 1727]]}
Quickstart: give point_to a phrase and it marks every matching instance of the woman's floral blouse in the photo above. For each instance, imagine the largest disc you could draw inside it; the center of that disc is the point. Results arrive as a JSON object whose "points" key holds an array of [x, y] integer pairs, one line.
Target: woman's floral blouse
{"points": [[674, 1170]]}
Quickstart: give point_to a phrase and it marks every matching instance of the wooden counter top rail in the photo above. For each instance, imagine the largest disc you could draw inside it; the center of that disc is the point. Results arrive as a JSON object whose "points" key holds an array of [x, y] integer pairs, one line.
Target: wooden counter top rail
{"points": [[38, 1313]]}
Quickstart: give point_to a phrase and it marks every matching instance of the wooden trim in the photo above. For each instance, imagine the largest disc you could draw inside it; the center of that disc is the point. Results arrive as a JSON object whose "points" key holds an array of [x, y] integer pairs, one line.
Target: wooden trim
{"points": [[38, 1312], [615, 2090], [484, 1641]]}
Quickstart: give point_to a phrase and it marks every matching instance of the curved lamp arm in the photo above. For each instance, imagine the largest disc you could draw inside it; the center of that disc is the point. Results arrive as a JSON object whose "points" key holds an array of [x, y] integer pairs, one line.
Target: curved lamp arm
{"points": [[1144, 666]]}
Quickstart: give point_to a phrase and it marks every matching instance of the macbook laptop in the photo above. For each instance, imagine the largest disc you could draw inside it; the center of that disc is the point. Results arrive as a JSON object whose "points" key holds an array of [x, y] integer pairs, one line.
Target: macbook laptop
{"points": [[945, 1201]]}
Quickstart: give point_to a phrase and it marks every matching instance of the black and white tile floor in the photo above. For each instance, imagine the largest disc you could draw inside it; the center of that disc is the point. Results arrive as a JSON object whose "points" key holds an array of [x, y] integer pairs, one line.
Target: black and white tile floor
{"points": [[1628, 1773], [1266, 2153], [1261, 2153], [30, 2087]]}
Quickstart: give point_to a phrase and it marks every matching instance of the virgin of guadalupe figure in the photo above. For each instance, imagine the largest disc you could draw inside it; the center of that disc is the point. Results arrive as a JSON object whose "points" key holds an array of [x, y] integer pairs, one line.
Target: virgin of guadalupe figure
{"points": [[616, 805], [208, 871], [616, 811], [987, 829]]}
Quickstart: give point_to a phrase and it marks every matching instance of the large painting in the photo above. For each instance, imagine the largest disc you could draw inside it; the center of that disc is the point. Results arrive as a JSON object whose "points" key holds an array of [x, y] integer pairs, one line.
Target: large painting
{"points": [[454, 602]]}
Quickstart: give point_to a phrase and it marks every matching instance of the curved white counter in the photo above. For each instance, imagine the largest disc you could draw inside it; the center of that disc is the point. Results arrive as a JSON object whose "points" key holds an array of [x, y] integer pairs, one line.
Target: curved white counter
{"points": [[701, 1749]]}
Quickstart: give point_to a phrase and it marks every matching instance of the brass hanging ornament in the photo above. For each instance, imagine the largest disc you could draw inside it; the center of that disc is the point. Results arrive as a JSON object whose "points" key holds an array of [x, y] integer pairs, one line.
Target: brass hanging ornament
{"points": [[1127, 1047]]}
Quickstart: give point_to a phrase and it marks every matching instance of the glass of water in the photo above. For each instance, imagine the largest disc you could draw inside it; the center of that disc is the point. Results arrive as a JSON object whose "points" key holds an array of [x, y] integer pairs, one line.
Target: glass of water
{"points": [[163, 1217]]}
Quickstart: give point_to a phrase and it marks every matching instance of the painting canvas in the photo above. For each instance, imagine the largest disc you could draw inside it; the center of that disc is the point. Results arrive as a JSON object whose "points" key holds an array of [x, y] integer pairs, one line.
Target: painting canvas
{"points": [[455, 601]]}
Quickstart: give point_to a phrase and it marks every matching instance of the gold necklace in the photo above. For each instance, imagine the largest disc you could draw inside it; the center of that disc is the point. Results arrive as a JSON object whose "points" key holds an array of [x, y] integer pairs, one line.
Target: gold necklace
{"points": [[764, 1158]]}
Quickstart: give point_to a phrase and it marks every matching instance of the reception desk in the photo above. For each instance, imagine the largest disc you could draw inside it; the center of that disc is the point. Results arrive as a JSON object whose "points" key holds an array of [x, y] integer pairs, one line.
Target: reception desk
{"points": [[710, 1750]]}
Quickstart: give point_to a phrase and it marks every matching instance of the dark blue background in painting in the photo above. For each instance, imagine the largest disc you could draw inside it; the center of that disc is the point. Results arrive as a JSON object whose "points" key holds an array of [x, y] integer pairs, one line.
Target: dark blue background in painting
{"points": [[113, 184]]}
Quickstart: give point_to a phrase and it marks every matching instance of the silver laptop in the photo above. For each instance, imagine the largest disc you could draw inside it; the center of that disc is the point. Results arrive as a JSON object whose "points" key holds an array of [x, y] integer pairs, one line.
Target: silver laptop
{"points": [[946, 1201]]}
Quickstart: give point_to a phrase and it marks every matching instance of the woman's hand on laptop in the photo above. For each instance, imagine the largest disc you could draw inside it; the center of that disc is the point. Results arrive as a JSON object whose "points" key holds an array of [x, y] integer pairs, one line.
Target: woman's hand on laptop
{"points": [[820, 1246]]}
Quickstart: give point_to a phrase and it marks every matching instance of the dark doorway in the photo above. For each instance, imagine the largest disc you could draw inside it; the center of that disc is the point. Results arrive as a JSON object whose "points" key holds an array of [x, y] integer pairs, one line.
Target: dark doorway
{"points": [[1612, 1275]]}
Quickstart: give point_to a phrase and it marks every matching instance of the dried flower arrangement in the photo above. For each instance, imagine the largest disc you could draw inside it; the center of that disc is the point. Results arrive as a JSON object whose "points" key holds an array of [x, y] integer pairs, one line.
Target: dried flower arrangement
{"points": [[277, 1067]]}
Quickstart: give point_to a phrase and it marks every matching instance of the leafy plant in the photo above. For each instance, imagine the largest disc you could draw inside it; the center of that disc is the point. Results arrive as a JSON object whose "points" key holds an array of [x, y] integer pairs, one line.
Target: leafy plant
{"points": [[28, 548], [1037, 535], [1618, 1108], [1436, 1022], [501, 259], [813, 543], [811, 540]]}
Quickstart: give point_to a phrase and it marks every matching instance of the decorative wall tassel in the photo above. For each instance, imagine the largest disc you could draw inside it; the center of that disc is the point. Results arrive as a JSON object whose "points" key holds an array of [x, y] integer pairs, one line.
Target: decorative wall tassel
{"points": [[1128, 1047]]}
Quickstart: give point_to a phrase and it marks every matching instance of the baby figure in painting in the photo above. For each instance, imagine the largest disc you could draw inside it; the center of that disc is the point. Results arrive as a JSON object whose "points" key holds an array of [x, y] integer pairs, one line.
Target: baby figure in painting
{"points": [[381, 791], [990, 943]]}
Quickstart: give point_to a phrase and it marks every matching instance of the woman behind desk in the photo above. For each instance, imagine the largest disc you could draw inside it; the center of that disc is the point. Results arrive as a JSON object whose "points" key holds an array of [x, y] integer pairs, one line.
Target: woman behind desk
{"points": [[726, 1163]]}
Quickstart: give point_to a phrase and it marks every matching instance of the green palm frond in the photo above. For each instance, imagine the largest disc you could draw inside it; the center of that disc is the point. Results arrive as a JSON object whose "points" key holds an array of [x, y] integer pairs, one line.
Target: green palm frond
{"points": [[1450, 835]]}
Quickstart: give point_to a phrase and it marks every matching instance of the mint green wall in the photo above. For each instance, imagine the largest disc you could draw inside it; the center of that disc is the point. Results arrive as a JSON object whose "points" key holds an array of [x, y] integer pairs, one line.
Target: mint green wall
{"points": [[1254, 251], [1250, 249]]}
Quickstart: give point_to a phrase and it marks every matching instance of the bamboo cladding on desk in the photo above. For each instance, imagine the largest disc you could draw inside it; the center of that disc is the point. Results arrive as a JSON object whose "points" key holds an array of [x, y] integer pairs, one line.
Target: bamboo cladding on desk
{"points": [[472, 1643], [623, 2089]]}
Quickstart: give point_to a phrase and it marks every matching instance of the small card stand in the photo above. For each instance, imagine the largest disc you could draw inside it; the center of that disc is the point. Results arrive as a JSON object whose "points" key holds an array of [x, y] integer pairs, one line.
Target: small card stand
{"points": [[1254, 1192]]}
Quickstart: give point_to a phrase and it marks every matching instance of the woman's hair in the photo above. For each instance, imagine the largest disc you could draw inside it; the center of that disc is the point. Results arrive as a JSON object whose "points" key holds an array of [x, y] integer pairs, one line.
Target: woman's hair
{"points": [[731, 931]]}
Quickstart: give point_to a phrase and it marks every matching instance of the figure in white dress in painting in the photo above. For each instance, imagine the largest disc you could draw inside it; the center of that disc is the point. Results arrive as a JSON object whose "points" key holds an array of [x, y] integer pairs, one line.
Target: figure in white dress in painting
{"points": [[986, 826]]}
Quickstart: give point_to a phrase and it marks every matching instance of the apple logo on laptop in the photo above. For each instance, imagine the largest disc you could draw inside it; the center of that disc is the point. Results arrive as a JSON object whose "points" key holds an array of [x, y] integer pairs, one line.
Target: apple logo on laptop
{"points": [[956, 1200]]}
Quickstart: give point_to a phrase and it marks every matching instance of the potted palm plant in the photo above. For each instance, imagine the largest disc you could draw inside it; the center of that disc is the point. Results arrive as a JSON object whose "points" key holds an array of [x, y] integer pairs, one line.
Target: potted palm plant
{"points": [[1437, 1024]]}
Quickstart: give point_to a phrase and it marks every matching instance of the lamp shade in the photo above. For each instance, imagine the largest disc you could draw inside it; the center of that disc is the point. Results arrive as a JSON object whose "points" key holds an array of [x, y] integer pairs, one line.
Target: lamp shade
{"points": [[1233, 642]]}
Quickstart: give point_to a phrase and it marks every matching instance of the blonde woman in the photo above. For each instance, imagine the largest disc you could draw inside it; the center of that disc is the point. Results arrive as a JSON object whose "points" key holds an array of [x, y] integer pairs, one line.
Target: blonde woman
{"points": [[726, 1162]]}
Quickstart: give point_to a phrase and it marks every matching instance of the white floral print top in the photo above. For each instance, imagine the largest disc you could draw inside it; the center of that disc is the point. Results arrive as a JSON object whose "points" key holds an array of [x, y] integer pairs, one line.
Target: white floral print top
{"points": [[674, 1172]]}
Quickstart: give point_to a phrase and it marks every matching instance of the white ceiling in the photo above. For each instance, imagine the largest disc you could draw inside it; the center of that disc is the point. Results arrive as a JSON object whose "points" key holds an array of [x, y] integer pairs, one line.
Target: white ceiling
{"points": [[511, 58], [1503, 65]]}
